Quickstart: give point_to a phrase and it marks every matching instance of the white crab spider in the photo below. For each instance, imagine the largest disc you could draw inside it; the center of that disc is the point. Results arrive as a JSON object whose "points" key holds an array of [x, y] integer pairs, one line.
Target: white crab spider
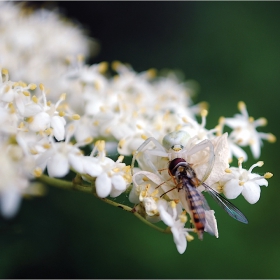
{"points": [[176, 148], [174, 145]]}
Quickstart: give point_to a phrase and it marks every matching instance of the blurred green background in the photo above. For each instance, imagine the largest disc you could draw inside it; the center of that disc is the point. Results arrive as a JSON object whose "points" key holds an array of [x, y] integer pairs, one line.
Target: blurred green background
{"points": [[232, 49]]}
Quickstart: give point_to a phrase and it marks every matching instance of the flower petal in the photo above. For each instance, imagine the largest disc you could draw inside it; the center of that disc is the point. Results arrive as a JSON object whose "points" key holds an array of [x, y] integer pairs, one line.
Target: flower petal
{"points": [[91, 166], [118, 182], [58, 165], [179, 240], [9, 203], [76, 162], [232, 189], [58, 125], [164, 215], [211, 223], [251, 192], [103, 185]]}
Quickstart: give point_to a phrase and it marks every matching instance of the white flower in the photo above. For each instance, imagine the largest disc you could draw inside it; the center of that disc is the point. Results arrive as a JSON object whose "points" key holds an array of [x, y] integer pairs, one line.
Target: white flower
{"points": [[35, 45], [60, 156], [169, 215], [42, 115], [112, 178], [17, 168], [244, 130], [241, 181]]}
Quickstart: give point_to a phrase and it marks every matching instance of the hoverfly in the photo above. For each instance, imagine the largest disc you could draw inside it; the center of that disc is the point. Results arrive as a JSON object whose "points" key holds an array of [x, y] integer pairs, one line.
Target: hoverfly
{"points": [[186, 179]]}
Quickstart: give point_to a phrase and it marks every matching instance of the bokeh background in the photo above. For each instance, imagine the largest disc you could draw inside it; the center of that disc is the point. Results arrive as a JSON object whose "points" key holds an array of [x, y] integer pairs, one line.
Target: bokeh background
{"points": [[232, 49]]}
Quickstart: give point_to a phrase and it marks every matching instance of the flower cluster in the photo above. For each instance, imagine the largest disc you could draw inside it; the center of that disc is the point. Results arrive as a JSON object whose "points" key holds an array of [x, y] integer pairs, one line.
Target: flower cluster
{"points": [[38, 45], [142, 115], [204, 155]]}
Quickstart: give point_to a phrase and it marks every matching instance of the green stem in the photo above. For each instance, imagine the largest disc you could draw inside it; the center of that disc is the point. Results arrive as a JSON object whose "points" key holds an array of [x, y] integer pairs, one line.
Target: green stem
{"points": [[91, 189]]}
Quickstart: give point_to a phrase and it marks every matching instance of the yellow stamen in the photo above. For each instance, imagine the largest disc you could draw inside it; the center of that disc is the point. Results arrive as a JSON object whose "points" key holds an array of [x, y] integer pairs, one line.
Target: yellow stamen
{"points": [[221, 120], [46, 146], [5, 71], [30, 119], [241, 105], [120, 158], [48, 131], [227, 170], [102, 109], [6, 89], [262, 121], [143, 136], [88, 140], [76, 117], [41, 86], [37, 172], [102, 67], [190, 238], [251, 119], [173, 204], [12, 108], [154, 193], [26, 93], [33, 151], [240, 160], [127, 177], [183, 218], [115, 65], [80, 57], [100, 144], [108, 130], [61, 114], [121, 143], [21, 125], [178, 127], [268, 175], [34, 99], [116, 170], [203, 105], [32, 86], [97, 85], [127, 168], [95, 123], [62, 96], [152, 73], [219, 130], [271, 138], [204, 113]]}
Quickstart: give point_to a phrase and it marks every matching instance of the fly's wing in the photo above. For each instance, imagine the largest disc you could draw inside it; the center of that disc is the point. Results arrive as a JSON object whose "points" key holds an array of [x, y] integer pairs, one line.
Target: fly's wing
{"points": [[233, 211]]}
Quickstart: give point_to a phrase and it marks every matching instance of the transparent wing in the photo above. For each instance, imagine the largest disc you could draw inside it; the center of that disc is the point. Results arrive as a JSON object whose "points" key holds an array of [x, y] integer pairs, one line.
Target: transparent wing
{"points": [[232, 210]]}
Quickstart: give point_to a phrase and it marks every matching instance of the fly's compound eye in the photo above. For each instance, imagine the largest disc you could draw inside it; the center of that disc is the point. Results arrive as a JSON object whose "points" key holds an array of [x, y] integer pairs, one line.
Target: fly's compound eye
{"points": [[175, 163]]}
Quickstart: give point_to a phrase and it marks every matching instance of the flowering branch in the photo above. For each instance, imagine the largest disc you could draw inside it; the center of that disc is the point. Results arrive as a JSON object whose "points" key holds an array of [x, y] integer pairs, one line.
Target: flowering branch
{"points": [[63, 184], [149, 117]]}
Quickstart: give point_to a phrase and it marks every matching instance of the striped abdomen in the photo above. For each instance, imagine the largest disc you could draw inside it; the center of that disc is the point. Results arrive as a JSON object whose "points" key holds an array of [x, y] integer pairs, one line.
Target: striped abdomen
{"points": [[195, 203]]}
